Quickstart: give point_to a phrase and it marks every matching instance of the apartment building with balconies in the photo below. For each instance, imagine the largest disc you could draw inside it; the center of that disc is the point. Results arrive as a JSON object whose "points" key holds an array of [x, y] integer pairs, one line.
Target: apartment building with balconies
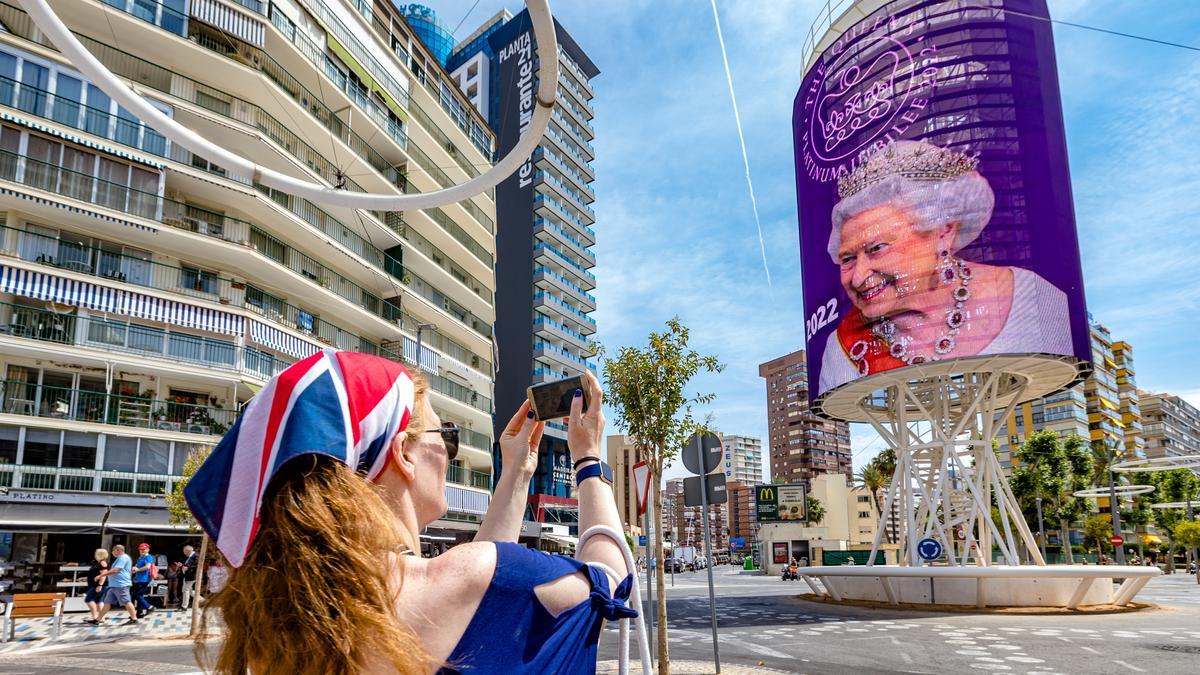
{"points": [[545, 232], [146, 294], [1104, 410]]}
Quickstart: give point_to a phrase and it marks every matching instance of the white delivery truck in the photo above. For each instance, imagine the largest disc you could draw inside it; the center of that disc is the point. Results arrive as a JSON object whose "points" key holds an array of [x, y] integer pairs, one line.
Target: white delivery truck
{"points": [[686, 555]]}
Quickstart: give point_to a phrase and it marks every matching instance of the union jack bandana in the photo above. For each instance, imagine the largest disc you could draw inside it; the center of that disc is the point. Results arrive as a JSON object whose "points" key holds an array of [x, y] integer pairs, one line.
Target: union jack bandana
{"points": [[345, 405]]}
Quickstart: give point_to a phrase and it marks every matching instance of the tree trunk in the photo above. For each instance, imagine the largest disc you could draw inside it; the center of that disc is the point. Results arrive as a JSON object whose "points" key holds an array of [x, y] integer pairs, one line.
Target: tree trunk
{"points": [[196, 591], [664, 661], [1170, 556], [1064, 531]]}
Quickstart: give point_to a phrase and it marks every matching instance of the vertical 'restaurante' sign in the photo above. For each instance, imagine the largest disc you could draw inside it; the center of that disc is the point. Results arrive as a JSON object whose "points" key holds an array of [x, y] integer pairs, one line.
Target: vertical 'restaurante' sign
{"points": [[934, 196]]}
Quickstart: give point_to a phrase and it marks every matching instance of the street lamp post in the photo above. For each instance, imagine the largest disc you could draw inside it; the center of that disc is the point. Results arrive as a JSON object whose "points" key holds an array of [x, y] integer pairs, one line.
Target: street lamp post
{"points": [[1041, 528]]}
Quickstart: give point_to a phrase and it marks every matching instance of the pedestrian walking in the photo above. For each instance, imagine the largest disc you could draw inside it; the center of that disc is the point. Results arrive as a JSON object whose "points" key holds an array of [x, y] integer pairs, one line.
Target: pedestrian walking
{"points": [[190, 562], [119, 578], [143, 574], [95, 585], [174, 583]]}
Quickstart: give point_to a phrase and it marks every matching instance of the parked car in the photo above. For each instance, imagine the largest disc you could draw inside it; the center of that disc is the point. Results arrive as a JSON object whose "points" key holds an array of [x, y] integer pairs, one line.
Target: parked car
{"points": [[673, 565]]}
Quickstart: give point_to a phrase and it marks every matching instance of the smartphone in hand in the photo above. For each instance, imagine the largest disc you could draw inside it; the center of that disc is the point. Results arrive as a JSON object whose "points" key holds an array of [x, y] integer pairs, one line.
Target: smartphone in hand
{"points": [[552, 400]]}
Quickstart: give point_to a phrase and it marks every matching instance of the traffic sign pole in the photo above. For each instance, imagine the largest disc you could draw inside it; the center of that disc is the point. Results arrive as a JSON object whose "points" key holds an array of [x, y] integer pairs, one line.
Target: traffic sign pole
{"points": [[712, 600]]}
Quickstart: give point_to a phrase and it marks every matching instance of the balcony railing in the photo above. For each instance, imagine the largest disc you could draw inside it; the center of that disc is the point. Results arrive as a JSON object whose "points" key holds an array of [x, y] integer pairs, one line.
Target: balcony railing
{"points": [[562, 353], [69, 112], [463, 476], [561, 165], [581, 249], [573, 195], [563, 280], [68, 479], [546, 297], [575, 136], [563, 259], [546, 321], [127, 337], [83, 405], [438, 383]]}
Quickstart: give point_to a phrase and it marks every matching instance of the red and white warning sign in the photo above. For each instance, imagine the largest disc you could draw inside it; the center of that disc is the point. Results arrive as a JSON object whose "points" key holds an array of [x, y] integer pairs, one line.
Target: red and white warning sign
{"points": [[641, 479]]}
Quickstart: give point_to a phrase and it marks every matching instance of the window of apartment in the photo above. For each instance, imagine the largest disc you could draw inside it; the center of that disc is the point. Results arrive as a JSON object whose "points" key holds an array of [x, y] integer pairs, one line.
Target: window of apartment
{"points": [[120, 453], [863, 499], [154, 456], [41, 447], [10, 441], [79, 450], [864, 514], [198, 280], [35, 85], [68, 97]]}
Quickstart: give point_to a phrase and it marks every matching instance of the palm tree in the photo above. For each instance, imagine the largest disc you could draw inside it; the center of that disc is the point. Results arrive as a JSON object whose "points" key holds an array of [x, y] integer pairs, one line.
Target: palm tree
{"points": [[871, 478], [814, 510]]}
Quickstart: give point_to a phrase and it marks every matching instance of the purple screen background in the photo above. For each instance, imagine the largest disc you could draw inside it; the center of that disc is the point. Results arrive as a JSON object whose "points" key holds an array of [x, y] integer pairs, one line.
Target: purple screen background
{"points": [[993, 93]]}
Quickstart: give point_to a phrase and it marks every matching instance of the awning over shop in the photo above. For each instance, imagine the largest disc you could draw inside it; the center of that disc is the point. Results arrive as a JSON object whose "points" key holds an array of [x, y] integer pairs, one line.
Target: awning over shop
{"points": [[1151, 539], [85, 519]]}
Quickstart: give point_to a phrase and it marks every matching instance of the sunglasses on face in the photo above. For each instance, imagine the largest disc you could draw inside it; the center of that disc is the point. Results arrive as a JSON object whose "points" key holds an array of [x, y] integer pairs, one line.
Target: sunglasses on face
{"points": [[449, 432]]}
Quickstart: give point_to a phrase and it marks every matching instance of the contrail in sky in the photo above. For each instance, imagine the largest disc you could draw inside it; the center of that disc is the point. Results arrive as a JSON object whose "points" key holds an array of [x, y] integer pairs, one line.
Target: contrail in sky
{"points": [[742, 139]]}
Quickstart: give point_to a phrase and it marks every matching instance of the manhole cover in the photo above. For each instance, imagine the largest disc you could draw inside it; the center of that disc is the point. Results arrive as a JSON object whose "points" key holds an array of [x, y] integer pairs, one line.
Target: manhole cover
{"points": [[1180, 649]]}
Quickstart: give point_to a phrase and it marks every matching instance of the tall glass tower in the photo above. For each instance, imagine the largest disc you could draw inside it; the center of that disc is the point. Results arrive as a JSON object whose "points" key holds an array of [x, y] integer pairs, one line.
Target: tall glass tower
{"points": [[544, 231]]}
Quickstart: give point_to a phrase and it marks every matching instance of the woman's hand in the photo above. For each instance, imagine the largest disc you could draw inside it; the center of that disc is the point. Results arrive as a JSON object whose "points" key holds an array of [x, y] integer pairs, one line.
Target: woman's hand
{"points": [[585, 429], [519, 442]]}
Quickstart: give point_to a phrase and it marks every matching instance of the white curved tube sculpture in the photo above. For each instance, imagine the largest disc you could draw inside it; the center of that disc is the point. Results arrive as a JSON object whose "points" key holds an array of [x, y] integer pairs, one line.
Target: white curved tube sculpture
{"points": [[634, 596], [543, 25], [1120, 491]]}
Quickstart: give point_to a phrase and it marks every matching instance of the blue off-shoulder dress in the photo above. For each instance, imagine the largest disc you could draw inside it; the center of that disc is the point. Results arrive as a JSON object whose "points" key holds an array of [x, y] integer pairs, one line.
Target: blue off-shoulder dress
{"points": [[512, 632]]}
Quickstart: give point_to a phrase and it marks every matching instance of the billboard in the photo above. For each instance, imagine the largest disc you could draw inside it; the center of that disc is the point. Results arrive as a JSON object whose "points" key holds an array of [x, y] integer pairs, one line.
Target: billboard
{"points": [[934, 196], [779, 503]]}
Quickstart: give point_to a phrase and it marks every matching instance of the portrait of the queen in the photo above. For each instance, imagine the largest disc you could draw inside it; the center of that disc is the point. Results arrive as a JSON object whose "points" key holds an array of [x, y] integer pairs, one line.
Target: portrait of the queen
{"points": [[902, 220]]}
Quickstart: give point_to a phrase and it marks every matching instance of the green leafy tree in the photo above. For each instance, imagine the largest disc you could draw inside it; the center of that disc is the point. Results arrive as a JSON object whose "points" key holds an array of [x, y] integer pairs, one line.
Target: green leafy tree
{"points": [[1173, 486], [814, 510], [1188, 536], [178, 513], [1141, 514], [1097, 530], [647, 389], [1052, 470]]}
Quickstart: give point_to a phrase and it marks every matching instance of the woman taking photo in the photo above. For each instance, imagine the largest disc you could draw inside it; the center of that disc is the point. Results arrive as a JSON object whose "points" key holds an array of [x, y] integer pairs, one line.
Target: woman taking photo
{"points": [[317, 498]]}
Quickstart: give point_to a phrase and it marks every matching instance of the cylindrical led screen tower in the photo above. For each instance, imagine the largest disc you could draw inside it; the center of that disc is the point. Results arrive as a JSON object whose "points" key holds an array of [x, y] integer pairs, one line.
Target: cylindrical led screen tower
{"points": [[936, 221]]}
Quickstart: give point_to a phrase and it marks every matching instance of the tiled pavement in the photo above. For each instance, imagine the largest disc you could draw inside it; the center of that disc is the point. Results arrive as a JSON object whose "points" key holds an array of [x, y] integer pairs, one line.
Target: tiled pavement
{"points": [[33, 634]]}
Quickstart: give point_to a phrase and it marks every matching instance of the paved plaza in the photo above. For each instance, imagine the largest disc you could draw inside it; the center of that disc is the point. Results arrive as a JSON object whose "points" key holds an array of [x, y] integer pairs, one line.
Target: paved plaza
{"points": [[764, 627]]}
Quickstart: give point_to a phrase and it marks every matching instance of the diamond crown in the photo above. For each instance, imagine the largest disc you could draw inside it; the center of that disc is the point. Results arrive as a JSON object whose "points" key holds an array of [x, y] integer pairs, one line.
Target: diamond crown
{"points": [[924, 163]]}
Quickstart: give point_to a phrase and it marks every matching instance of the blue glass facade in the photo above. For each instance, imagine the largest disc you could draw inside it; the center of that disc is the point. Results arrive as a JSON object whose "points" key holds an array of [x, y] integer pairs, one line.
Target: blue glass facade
{"points": [[426, 24]]}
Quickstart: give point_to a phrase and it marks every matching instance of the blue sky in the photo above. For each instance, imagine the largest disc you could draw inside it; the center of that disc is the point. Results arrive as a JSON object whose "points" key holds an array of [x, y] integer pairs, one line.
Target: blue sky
{"points": [[675, 230]]}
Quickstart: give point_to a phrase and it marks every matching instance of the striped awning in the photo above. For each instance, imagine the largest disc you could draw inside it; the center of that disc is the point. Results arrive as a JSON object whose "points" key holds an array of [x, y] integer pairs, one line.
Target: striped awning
{"points": [[466, 501], [50, 288], [112, 150], [232, 21], [429, 358], [35, 199], [273, 338]]}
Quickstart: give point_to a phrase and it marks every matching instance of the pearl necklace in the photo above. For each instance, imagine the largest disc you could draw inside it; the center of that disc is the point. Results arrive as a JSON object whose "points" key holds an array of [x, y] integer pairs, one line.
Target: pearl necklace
{"points": [[898, 345]]}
